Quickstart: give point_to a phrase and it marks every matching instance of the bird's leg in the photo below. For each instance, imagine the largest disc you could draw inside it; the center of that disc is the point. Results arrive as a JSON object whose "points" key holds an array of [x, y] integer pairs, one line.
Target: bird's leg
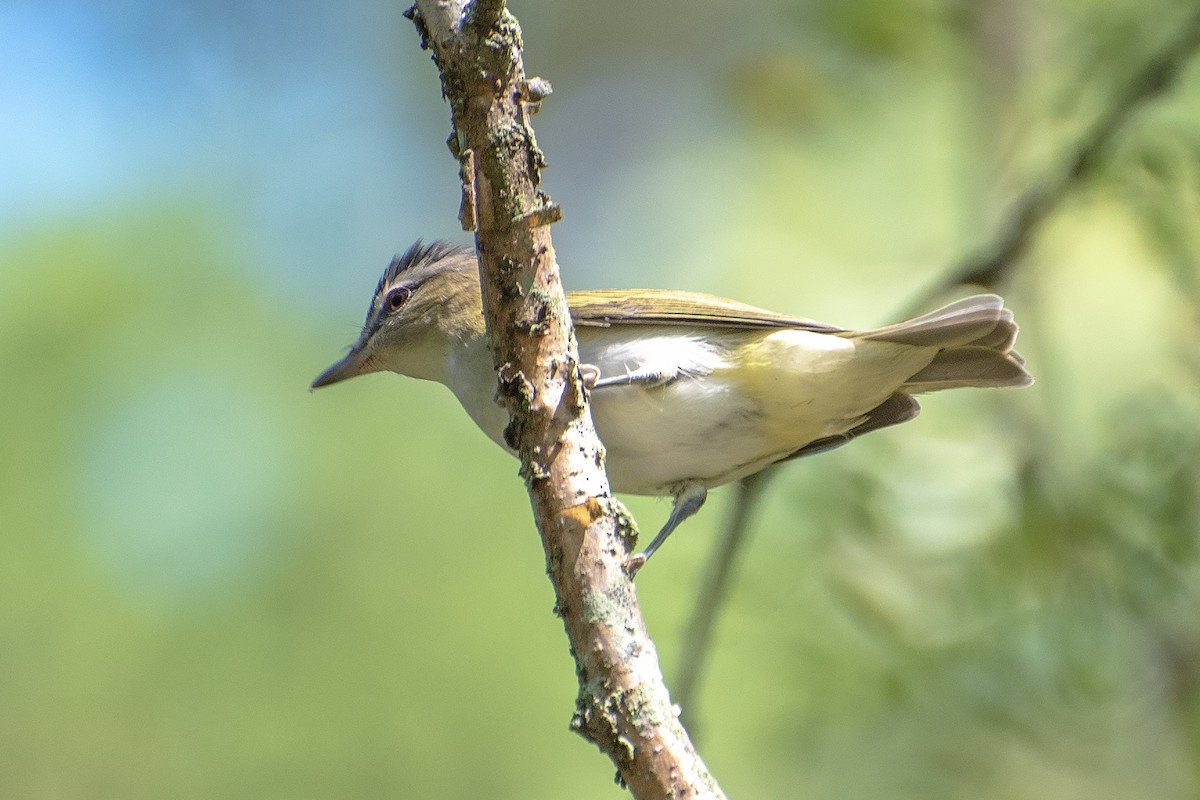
{"points": [[642, 376], [688, 500]]}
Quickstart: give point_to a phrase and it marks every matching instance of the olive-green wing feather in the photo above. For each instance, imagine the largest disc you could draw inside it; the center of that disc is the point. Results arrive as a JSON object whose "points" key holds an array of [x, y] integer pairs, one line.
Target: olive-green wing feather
{"points": [[607, 307]]}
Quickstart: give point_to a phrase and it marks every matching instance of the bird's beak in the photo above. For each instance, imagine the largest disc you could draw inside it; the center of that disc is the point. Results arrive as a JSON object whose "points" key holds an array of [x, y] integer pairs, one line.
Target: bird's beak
{"points": [[357, 362]]}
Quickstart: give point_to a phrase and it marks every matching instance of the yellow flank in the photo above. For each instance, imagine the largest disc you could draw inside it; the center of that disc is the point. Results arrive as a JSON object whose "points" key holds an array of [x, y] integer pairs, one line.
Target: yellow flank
{"points": [[810, 385]]}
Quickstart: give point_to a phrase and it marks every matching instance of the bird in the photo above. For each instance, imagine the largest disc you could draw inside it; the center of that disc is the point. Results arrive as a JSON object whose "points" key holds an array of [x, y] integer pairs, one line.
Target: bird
{"points": [[688, 391]]}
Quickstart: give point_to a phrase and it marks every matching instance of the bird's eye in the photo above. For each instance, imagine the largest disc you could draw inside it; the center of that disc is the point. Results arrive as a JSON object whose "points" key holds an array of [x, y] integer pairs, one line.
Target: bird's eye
{"points": [[397, 297]]}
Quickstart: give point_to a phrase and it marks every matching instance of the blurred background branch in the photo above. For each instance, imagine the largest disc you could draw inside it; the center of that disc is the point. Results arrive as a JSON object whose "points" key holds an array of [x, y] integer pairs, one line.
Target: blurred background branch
{"points": [[714, 587], [991, 266]]}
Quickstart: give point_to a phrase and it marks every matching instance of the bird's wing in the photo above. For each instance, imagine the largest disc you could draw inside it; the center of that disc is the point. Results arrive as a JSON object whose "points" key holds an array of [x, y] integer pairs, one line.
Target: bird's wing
{"points": [[608, 307]]}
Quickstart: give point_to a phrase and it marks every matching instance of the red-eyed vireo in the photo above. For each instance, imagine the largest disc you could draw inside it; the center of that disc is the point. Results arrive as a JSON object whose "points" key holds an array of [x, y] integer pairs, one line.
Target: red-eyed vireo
{"points": [[689, 391]]}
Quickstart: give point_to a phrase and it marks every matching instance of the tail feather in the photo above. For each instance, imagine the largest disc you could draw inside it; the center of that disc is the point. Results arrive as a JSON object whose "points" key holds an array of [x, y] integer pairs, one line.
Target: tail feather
{"points": [[962, 322], [969, 366], [975, 336]]}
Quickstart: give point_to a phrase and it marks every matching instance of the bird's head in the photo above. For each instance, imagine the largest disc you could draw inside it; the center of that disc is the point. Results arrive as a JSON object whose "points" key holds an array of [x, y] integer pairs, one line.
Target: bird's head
{"points": [[425, 303]]}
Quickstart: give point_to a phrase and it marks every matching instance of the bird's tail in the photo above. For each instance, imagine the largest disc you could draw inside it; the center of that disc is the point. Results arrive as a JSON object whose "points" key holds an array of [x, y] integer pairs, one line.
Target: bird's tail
{"points": [[975, 337]]}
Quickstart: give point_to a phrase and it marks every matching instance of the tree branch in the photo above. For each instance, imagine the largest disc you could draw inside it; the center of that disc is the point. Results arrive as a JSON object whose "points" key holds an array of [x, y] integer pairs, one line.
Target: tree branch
{"points": [[623, 705]]}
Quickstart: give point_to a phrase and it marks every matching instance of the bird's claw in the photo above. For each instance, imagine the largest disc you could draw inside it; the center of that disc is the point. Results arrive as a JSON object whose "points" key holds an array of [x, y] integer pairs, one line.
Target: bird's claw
{"points": [[590, 375], [634, 563]]}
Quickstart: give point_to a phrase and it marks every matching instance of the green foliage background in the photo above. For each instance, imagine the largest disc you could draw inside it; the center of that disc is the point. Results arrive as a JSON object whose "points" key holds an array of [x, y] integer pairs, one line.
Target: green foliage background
{"points": [[214, 584]]}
